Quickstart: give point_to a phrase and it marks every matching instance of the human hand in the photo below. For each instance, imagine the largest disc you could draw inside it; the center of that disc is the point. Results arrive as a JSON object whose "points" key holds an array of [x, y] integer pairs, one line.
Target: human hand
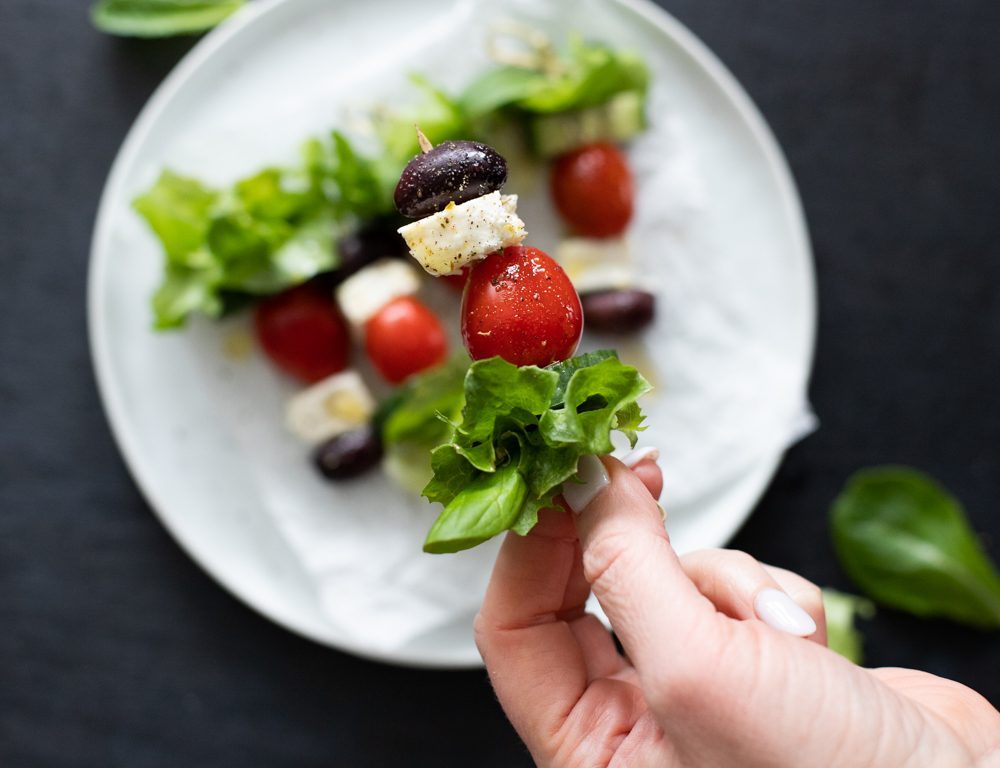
{"points": [[704, 680]]}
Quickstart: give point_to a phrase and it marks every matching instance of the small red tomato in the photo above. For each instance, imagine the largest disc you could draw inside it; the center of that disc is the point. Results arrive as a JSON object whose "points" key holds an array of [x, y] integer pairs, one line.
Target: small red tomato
{"points": [[592, 188], [520, 305], [303, 333], [403, 338]]}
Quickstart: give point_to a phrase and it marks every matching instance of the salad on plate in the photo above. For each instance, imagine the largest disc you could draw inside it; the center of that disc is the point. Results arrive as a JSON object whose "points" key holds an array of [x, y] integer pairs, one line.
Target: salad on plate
{"points": [[320, 252]]}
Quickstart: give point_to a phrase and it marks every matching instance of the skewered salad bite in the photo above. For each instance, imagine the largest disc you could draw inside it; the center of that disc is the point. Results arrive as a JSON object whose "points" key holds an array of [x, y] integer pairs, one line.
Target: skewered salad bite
{"points": [[517, 303], [531, 410]]}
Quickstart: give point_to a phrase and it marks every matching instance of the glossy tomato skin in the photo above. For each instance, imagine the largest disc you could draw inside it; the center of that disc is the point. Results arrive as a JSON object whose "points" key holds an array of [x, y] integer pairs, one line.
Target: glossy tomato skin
{"points": [[593, 190], [520, 305], [403, 338], [303, 333]]}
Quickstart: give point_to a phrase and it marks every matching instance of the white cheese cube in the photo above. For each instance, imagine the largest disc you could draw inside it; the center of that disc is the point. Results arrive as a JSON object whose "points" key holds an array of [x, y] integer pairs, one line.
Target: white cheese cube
{"points": [[365, 292], [596, 265], [337, 404], [448, 240]]}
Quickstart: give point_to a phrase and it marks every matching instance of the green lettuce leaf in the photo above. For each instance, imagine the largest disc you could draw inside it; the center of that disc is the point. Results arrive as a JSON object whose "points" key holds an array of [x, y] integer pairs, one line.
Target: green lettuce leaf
{"points": [[267, 232], [361, 189], [182, 292], [179, 211], [160, 18], [532, 423], [419, 416], [584, 75], [501, 87], [422, 411]]}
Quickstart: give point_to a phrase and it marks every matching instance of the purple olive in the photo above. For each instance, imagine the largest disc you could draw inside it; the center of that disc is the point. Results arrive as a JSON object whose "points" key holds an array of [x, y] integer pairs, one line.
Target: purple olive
{"points": [[349, 454], [618, 311], [453, 171]]}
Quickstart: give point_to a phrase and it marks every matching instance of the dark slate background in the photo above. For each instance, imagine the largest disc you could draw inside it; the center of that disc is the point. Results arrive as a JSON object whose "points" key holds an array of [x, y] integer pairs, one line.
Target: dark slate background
{"points": [[116, 650]]}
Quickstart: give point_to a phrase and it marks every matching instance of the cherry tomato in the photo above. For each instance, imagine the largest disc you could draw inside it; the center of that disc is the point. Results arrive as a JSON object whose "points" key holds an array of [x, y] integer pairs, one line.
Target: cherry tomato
{"points": [[520, 305], [403, 338], [592, 188], [303, 333]]}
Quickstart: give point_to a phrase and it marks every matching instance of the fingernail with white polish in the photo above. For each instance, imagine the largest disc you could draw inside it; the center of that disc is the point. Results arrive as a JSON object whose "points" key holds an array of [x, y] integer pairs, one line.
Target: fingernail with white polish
{"points": [[633, 458], [778, 610], [592, 478]]}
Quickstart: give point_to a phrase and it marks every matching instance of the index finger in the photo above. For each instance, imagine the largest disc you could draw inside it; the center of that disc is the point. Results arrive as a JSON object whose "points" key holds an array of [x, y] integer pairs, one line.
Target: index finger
{"points": [[540, 648], [533, 658]]}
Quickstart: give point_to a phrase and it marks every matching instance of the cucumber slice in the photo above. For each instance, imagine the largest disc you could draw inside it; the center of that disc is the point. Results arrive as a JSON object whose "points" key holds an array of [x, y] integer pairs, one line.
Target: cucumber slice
{"points": [[619, 119]]}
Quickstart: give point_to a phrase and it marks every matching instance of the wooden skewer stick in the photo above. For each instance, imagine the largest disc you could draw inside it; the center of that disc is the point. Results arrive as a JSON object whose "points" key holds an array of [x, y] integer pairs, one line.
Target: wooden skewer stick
{"points": [[423, 141]]}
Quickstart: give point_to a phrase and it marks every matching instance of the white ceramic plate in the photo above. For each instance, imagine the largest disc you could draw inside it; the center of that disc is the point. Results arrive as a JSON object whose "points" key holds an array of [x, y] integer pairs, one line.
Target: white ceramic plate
{"points": [[719, 232]]}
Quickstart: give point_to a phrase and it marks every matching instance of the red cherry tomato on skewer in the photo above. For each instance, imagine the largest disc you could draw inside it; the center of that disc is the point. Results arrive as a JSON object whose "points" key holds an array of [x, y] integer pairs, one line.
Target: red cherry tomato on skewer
{"points": [[520, 305]]}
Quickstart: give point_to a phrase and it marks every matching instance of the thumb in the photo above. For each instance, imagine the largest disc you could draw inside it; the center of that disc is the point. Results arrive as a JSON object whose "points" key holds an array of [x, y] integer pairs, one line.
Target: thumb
{"points": [[633, 571]]}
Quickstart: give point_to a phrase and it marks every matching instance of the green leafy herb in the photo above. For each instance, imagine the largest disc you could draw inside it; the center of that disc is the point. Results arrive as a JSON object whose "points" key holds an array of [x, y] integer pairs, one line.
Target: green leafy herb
{"points": [[270, 231], [521, 435], [488, 504], [841, 634], [419, 416], [907, 543], [360, 190], [422, 411], [585, 75], [160, 18], [439, 116]]}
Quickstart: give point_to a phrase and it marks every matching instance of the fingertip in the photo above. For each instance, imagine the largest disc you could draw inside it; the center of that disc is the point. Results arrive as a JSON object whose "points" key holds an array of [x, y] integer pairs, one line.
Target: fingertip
{"points": [[626, 495]]}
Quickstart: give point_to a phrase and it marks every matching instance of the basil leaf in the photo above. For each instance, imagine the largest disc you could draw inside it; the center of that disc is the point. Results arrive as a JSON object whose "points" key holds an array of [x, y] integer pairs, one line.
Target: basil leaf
{"points": [[487, 506], [907, 543], [841, 634], [160, 18]]}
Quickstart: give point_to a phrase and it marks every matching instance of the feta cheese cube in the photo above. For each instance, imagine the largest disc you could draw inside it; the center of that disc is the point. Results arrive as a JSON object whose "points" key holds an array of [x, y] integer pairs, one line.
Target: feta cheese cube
{"points": [[365, 292], [337, 404], [451, 239]]}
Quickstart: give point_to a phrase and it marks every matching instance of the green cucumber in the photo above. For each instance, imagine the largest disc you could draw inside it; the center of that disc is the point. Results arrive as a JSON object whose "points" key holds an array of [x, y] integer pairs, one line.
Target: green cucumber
{"points": [[617, 120]]}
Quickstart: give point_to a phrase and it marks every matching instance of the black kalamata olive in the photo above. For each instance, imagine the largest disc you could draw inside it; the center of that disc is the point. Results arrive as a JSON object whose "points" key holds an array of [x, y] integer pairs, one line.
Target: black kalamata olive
{"points": [[453, 171], [618, 311], [360, 248], [349, 455]]}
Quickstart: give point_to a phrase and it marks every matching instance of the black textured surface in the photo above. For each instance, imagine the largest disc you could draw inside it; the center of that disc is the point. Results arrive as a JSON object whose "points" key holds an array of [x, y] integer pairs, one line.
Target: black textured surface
{"points": [[116, 650]]}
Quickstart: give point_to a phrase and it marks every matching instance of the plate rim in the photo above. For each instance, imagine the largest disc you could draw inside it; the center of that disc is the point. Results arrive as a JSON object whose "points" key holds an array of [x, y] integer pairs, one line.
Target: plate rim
{"points": [[752, 484]]}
